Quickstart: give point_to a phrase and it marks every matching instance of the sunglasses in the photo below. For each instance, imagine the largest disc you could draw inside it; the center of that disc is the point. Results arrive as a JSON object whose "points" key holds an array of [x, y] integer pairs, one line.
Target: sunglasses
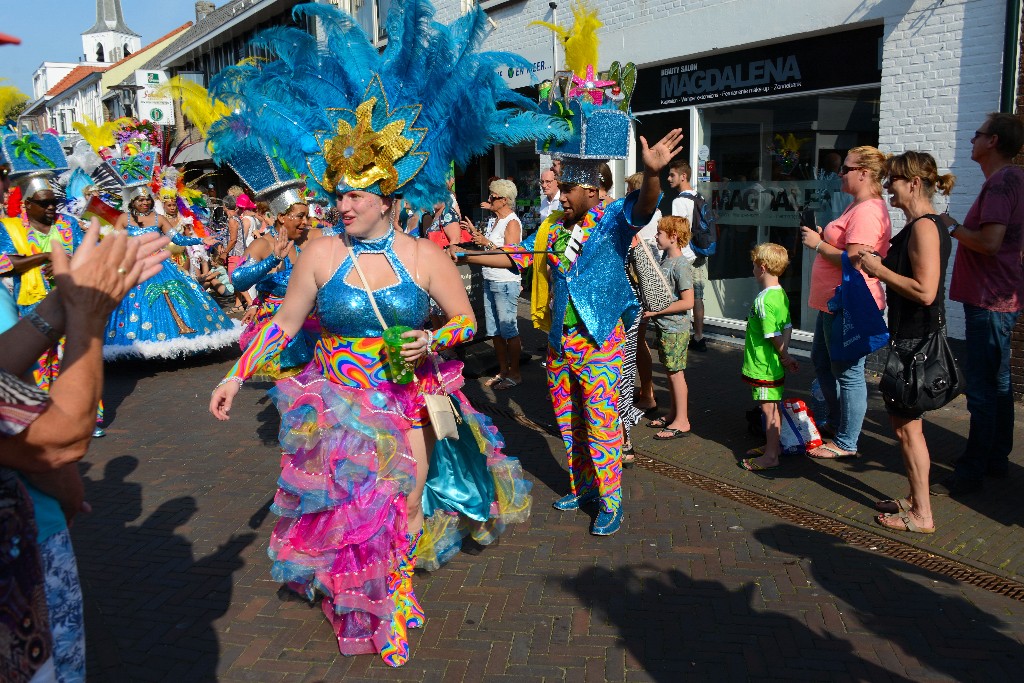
{"points": [[44, 202], [979, 134], [844, 169], [493, 198], [893, 178]]}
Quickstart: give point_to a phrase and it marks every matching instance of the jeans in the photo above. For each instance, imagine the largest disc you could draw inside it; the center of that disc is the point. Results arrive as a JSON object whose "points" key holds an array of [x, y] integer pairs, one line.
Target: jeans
{"points": [[501, 300], [986, 368], [843, 385]]}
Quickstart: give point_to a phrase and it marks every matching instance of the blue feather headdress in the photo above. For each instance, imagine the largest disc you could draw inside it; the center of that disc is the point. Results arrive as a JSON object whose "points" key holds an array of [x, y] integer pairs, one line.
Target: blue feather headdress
{"points": [[354, 118]]}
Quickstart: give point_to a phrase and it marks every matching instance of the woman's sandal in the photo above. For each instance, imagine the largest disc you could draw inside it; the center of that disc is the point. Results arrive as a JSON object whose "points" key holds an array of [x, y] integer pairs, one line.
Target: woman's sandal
{"points": [[902, 521], [494, 380], [831, 452], [893, 506], [658, 423], [628, 458]]}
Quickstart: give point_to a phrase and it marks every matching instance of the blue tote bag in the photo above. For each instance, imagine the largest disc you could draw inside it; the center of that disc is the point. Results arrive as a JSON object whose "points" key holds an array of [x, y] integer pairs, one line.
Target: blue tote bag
{"points": [[858, 327]]}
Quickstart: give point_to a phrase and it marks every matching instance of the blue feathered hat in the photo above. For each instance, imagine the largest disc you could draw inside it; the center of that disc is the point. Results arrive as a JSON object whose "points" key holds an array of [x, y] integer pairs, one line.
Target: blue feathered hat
{"points": [[389, 122]]}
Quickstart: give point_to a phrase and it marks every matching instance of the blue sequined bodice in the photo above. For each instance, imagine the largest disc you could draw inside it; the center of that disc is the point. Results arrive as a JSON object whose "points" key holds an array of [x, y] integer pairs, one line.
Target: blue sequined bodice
{"points": [[135, 230], [276, 283], [345, 310]]}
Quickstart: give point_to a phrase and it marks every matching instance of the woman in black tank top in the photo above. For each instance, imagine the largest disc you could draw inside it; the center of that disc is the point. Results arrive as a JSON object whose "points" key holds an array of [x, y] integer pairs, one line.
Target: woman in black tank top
{"points": [[914, 273]]}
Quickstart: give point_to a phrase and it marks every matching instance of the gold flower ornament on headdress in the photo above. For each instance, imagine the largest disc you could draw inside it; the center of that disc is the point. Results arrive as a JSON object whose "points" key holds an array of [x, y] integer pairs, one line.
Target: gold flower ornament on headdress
{"points": [[360, 156]]}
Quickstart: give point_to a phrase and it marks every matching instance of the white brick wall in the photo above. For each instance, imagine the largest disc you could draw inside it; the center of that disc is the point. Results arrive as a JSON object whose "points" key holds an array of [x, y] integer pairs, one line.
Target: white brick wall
{"points": [[941, 60]]}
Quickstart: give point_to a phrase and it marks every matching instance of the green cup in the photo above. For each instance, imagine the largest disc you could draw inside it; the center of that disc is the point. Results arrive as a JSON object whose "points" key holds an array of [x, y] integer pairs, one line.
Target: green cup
{"points": [[399, 369]]}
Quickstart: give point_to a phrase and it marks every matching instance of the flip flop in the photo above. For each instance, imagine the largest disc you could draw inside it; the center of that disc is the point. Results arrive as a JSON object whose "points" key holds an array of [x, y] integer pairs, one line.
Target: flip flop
{"points": [[673, 434], [494, 380], [893, 506], [902, 521], [750, 465], [628, 458], [505, 383], [658, 423], [831, 453]]}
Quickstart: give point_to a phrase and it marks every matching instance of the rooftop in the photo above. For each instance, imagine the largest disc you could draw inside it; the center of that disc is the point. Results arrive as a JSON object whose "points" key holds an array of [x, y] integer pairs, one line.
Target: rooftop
{"points": [[77, 74]]}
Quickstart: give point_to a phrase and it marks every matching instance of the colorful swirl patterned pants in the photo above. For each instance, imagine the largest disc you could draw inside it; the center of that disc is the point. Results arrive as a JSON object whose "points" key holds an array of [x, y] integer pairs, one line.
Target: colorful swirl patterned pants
{"points": [[582, 381]]}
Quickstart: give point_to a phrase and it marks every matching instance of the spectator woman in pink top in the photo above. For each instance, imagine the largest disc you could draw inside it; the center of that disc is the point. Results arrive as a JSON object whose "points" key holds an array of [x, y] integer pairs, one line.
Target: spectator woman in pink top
{"points": [[863, 226]]}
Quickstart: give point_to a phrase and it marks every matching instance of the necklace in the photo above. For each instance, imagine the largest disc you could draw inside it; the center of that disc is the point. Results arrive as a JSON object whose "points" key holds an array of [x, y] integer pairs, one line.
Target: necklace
{"points": [[378, 245]]}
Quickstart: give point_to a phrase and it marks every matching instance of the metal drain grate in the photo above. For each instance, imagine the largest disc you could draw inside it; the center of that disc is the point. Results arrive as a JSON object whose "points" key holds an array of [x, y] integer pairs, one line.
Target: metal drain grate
{"points": [[804, 518]]}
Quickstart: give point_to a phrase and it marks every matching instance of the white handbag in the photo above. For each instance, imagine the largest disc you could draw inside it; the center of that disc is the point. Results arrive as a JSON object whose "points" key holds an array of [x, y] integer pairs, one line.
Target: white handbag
{"points": [[444, 417]]}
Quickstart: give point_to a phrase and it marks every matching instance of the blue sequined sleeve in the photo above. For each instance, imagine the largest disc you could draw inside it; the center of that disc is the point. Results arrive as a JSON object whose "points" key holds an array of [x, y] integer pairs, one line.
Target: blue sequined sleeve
{"points": [[251, 272], [182, 241]]}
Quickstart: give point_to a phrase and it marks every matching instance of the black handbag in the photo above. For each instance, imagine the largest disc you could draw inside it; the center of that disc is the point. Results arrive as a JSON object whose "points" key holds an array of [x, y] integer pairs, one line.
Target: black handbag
{"points": [[926, 378]]}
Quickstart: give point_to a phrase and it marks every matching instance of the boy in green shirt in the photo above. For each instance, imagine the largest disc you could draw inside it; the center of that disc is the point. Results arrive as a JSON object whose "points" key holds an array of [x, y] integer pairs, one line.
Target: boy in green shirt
{"points": [[765, 355]]}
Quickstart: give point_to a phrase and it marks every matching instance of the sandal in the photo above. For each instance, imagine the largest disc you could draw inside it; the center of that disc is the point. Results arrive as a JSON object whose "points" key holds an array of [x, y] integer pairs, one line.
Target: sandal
{"points": [[505, 383], [893, 506], [902, 521], [830, 452], [494, 380], [658, 422], [751, 465], [672, 434]]}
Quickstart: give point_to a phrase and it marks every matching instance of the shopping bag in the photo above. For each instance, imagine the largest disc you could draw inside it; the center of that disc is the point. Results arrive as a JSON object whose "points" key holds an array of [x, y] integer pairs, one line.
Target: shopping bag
{"points": [[858, 327], [799, 433]]}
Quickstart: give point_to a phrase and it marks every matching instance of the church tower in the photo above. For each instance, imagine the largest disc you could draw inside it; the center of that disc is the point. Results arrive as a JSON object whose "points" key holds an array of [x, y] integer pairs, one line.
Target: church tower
{"points": [[109, 40]]}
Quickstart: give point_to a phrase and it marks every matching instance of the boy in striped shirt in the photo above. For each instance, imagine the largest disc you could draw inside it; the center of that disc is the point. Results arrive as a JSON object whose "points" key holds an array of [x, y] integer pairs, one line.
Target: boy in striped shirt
{"points": [[765, 350]]}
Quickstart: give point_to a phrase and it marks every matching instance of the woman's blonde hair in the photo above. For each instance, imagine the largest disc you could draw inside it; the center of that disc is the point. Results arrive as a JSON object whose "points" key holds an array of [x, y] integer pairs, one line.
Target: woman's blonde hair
{"points": [[773, 257], [873, 160], [676, 227], [634, 182], [921, 165]]}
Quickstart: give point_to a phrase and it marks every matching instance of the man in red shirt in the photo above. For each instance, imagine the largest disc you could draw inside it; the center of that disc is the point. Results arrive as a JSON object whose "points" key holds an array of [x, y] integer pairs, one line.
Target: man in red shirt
{"points": [[988, 278]]}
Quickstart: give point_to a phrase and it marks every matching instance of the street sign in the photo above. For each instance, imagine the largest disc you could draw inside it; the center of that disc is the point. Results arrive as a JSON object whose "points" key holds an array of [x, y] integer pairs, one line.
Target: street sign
{"points": [[156, 109]]}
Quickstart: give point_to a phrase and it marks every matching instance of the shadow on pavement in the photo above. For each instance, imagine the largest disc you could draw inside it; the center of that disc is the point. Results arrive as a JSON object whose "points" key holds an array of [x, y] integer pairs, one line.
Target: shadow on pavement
{"points": [[940, 630], [149, 604], [678, 628]]}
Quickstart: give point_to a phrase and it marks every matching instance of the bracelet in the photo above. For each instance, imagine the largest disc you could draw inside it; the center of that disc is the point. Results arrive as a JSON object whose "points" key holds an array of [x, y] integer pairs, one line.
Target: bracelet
{"points": [[430, 340], [44, 328], [229, 379], [818, 246]]}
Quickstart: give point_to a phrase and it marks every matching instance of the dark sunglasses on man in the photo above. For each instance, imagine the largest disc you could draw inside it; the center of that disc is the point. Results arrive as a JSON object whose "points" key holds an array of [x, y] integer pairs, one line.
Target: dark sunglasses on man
{"points": [[44, 202]]}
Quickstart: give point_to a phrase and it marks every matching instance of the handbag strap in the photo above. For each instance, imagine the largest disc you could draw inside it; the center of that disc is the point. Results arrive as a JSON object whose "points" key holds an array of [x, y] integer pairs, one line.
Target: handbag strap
{"points": [[376, 310]]}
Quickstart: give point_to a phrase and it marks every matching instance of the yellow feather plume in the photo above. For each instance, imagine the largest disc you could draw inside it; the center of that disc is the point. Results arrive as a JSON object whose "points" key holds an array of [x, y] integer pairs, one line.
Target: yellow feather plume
{"points": [[100, 135], [196, 104], [580, 39], [10, 100]]}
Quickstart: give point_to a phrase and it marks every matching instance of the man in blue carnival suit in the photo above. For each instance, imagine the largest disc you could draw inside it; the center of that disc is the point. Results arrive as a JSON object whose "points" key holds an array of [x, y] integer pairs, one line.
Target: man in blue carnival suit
{"points": [[592, 306]]}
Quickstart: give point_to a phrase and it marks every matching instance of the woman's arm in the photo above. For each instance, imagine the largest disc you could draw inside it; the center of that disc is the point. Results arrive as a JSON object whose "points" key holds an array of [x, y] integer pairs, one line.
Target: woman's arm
{"points": [[299, 301], [445, 285], [812, 239], [923, 250]]}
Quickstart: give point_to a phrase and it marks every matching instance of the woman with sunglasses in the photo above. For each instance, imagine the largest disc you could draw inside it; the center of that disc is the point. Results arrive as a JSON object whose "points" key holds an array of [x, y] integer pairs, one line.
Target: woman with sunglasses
{"points": [[914, 273], [502, 285], [170, 316], [863, 226], [267, 265]]}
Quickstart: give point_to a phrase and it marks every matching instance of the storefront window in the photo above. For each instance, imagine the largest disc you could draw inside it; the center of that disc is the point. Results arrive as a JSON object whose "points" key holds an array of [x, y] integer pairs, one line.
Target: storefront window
{"points": [[759, 164]]}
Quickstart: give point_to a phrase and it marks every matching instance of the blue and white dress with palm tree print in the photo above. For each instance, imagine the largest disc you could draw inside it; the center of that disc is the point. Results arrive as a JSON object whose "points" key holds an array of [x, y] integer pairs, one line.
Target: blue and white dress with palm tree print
{"points": [[167, 316]]}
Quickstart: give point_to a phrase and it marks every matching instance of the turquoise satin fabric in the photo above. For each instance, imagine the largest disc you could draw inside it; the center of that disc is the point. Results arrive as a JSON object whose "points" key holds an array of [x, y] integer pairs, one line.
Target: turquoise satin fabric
{"points": [[458, 479]]}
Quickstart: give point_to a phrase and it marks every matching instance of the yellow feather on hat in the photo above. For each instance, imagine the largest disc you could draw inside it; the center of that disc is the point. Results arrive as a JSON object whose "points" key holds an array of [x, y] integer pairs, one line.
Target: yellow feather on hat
{"points": [[196, 104], [580, 39], [100, 135]]}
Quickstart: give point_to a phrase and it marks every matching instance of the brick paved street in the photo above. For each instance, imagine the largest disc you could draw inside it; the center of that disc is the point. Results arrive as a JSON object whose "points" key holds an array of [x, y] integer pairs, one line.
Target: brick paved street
{"points": [[695, 587]]}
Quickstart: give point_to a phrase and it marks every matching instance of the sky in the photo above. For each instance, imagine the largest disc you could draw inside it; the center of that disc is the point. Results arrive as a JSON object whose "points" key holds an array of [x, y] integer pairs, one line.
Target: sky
{"points": [[52, 30]]}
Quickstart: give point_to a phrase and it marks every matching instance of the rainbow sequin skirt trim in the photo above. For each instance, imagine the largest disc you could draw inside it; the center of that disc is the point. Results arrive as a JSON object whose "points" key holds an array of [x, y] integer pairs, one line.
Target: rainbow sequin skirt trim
{"points": [[346, 471]]}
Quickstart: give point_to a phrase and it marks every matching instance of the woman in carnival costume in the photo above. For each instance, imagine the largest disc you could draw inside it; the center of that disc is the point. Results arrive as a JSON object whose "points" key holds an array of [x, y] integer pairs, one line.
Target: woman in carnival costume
{"points": [[356, 443], [170, 315], [268, 262]]}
